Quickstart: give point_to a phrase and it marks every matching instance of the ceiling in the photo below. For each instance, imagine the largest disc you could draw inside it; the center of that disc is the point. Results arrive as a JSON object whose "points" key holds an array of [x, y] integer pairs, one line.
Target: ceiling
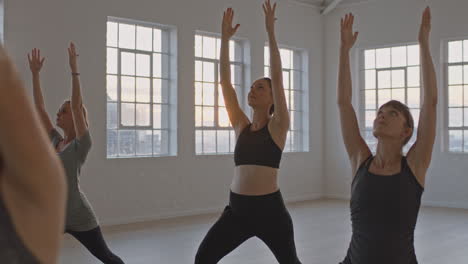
{"points": [[324, 3]]}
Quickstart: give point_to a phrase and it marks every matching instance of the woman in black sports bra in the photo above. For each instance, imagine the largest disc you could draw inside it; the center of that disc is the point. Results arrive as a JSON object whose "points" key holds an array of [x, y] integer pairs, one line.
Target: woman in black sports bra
{"points": [[387, 188], [256, 207]]}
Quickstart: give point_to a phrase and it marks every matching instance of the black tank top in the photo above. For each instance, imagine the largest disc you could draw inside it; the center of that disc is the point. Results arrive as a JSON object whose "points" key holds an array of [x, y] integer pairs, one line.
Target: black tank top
{"points": [[257, 148], [12, 249], [384, 211]]}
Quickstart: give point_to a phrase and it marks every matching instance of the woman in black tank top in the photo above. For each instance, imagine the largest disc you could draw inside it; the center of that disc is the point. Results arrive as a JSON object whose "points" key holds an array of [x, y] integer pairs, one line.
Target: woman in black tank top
{"points": [[387, 188]]}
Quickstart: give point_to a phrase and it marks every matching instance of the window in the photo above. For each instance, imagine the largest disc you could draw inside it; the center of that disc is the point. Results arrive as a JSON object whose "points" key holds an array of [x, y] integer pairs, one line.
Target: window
{"points": [[140, 87], [294, 82], [457, 87], [389, 74], [213, 131]]}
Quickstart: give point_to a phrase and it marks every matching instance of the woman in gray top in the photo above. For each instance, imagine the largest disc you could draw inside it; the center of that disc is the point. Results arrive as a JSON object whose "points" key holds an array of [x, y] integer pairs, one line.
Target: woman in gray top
{"points": [[72, 149], [32, 181]]}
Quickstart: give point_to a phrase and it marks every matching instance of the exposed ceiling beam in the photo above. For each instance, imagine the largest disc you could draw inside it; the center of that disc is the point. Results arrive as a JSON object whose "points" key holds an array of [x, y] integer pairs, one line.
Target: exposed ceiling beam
{"points": [[330, 7]]}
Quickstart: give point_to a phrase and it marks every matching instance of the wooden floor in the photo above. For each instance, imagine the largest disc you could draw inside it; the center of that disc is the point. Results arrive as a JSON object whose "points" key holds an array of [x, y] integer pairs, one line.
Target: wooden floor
{"points": [[322, 230]]}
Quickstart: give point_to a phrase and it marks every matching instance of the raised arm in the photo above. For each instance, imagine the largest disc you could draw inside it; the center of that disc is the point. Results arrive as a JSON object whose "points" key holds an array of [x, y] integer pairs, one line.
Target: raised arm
{"points": [[35, 65], [420, 154], [281, 115], [32, 179], [237, 117], [355, 145], [78, 112]]}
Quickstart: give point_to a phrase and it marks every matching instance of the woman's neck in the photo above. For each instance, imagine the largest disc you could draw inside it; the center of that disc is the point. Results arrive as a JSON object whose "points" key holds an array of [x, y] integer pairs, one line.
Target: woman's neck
{"points": [[260, 118], [388, 154]]}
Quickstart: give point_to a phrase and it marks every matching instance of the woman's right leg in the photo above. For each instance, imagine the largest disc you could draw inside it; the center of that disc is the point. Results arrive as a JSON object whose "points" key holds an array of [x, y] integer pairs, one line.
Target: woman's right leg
{"points": [[224, 236]]}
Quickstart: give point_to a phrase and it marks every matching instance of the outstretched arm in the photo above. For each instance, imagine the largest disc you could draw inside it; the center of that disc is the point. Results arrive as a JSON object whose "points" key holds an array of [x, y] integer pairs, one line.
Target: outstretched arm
{"points": [[281, 115], [35, 65], [77, 107], [32, 178], [420, 154], [355, 145], [237, 117]]}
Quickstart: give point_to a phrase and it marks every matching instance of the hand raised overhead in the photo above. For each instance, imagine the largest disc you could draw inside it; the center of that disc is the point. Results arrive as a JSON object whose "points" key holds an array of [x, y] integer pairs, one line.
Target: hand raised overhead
{"points": [[228, 30], [348, 36]]}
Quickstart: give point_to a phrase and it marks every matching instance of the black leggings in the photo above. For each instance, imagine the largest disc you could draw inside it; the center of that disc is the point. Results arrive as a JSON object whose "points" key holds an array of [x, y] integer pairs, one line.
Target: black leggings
{"points": [[95, 243], [265, 217]]}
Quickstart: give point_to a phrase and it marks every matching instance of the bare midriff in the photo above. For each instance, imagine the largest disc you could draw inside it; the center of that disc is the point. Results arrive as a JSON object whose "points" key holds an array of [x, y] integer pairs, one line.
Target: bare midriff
{"points": [[254, 180]]}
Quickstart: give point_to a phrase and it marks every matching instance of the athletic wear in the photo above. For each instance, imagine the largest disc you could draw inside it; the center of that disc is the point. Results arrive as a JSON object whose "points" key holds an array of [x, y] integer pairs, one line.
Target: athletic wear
{"points": [[384, 211], [257, 148], [95, 243], [264, 216], [79, 215], [12, 248]]}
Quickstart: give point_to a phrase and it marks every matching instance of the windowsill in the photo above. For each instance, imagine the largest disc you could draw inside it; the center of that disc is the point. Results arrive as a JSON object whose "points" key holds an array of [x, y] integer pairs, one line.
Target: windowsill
{"points": [[141, 157]]}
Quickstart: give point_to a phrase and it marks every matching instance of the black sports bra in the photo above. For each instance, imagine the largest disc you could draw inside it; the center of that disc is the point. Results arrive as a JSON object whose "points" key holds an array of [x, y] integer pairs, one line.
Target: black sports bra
{"points": [[257, 148]]}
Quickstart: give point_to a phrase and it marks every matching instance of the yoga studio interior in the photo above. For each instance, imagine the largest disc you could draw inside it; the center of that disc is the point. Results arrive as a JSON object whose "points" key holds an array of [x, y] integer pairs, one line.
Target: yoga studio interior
{"points": [[192, 104]]}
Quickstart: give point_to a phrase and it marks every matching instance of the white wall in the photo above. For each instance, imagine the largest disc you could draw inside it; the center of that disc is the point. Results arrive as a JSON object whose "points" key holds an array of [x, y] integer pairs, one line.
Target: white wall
{"points": [[384, 22], [127, 190]]}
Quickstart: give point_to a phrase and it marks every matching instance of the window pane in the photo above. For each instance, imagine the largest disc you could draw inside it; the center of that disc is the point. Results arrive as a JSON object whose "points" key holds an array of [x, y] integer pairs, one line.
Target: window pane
{"points": [[455, 117], [209, 47], [143, 90], [296, 80], [198, 141], [413, 97], [465, 53], [112, 115], [160, 65], [465, 74], [236, 74], [208, 72], [399, 56], [223, 117], [143, 65], [285, 58], [455, 140], [198, 116], [208, 94], [112, 61], [198, 71], [160, 91], [399, 95], [287, 147], [455, 96], [143, 114], [232, 139], [384, 79], [398, 78], [144, 142], [455, 75], [465, 95], [223, 141], [208, 116], [455, 51], [232, 49], [220, 96], [296, 100], [209, 141], [370, 79], [414, 75], [267, 72], [370, 98], [296, 120], [126, 36], [383, 58], [128, 63], [160, 142], [287, 94], [266, 53], [370, 140], [157, 45], [198, 93], [370, 117], [413, 55], [127, 112], [157, 116], [384, 96], [128, 89], [144, 38], [369, 59], [111, 88], [112, 143], [415, 114], [112, 34], [126, 142]]}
